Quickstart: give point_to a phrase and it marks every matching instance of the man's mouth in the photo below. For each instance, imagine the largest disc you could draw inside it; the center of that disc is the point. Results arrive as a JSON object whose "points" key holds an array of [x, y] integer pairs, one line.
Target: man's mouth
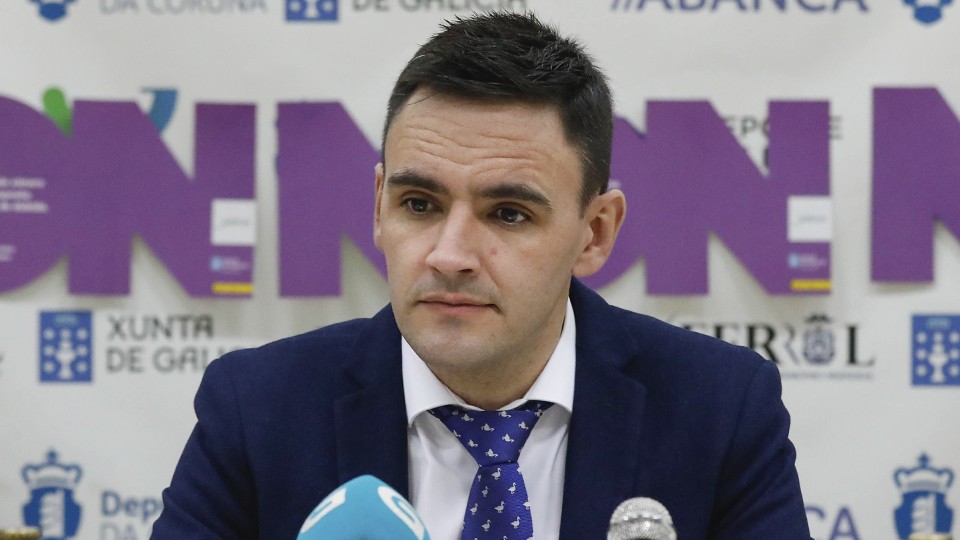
{"points": [[455, 303]]}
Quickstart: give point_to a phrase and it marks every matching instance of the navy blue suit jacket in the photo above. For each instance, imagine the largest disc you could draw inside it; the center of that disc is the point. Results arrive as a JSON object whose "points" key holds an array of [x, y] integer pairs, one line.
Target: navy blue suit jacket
{"points": [[659, 412]]}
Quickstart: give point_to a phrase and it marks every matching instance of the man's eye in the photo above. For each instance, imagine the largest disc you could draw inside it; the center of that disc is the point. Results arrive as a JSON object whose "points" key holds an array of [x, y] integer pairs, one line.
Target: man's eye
{"points": [[511, 216], [417, 206]]}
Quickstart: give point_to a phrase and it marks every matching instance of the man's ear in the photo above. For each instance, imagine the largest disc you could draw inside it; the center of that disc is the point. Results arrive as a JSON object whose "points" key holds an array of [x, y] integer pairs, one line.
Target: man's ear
{"points": [[376, 205], [604, 217]]}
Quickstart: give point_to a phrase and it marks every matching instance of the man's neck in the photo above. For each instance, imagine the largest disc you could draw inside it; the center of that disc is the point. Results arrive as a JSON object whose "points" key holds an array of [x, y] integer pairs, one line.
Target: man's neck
{"points": [[496, 391]]}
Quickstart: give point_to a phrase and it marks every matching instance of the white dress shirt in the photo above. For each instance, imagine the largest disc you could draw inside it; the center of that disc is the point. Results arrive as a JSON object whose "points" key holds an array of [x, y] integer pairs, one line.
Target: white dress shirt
{"points": [[441, 470]]}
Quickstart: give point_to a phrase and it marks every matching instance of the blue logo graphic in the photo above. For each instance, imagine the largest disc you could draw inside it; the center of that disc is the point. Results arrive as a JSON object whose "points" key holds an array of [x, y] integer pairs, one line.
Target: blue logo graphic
{"points": [[53, 10], [51, 507], [806, 261], [312, 10], [164, 104], [928, 11], [936, 350], [924, 508], [66, 339]]}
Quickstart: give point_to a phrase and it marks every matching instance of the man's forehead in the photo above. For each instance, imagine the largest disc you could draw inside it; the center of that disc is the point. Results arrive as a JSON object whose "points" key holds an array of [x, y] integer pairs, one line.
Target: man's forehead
{"points": [[478, 128], [428, 102], [426, 94]]}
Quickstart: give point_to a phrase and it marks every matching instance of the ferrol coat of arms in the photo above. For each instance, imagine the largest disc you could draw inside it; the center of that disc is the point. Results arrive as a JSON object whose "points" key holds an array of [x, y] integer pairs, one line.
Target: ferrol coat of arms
{"points": [[818, 340]]}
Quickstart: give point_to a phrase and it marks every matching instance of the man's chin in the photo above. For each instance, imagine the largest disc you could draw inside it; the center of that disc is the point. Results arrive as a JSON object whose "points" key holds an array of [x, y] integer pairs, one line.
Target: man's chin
{"points": [[449, 351]]}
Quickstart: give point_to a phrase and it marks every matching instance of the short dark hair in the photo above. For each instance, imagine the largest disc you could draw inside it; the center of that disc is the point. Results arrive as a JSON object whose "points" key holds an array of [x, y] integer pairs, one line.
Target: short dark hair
{"points": [[507, 56]]}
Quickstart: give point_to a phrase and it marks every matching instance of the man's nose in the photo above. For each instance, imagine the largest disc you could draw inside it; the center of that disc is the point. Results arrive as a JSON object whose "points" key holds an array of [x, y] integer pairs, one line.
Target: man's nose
{"points": [[455, 250]]}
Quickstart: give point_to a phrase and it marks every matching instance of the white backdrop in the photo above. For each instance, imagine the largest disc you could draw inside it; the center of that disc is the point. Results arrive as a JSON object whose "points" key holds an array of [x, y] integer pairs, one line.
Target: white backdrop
{"points": [[119, 416]]}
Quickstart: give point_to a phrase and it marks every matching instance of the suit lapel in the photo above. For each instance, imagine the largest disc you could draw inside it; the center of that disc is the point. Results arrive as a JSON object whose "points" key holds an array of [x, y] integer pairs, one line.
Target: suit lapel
{"points": [[371, 422], [604, 441]]}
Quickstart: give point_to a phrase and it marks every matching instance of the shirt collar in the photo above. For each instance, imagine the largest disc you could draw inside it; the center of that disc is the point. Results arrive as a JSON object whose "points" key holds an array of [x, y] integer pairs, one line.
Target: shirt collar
{"points": [[423, 391]]}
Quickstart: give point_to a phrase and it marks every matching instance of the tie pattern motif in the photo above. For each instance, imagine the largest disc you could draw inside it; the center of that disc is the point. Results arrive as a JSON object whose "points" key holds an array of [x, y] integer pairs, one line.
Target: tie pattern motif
{"points": [[498, 507]]}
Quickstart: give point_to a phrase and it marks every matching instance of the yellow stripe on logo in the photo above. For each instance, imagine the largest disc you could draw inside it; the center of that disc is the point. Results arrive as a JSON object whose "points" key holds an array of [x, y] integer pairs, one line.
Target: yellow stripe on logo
{"points": [[810, 285], [225, 287]]}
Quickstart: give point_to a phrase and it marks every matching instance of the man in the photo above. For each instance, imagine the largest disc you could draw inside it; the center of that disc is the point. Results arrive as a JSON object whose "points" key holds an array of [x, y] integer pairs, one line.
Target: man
{"points": [[490, 201]]}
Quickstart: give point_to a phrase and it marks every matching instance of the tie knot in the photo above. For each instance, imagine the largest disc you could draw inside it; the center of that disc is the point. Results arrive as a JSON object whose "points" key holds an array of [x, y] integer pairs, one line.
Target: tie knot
{"points": [[492, 437]]}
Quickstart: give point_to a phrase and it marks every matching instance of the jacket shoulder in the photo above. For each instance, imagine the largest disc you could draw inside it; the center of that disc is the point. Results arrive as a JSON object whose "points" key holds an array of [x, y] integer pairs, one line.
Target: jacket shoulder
{"points": [[663, 341], [313, 358]]}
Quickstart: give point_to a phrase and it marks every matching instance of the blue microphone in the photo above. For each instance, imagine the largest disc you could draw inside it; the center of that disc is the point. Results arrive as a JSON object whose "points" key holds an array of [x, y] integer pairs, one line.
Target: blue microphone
{"points": [[364, 508]]}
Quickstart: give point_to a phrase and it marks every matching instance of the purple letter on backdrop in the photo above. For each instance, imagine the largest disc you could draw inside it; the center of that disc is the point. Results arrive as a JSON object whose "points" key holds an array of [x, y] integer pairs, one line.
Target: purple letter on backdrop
{"points": [[37, 194], [689, 177], [132, 184], [326, 184], [916, 180], [116, 178]]}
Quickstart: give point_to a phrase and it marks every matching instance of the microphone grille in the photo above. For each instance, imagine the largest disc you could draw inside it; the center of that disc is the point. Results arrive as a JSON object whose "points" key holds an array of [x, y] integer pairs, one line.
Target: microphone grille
{"points": [[641, 518]]}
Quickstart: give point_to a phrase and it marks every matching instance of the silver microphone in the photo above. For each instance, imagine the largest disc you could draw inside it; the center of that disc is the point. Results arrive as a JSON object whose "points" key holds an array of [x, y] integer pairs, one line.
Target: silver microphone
{"points": [[641, 518]]}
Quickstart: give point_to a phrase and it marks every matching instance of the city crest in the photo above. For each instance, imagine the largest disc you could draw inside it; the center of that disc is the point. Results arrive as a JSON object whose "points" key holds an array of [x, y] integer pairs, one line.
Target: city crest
{"points": [[818, 340], [924, 508], [51, 507]]}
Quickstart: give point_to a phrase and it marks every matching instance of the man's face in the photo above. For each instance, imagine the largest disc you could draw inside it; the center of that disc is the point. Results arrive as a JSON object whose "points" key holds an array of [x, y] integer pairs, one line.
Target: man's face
{"points": [[478, 215]]}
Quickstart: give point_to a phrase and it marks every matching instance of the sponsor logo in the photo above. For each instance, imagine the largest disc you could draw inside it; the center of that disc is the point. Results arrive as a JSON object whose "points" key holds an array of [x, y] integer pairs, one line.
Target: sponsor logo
{"points": [[54, 510], [229, 265], [313, 10], [742, 6], [182, 7], [130, 344], [936, 350], [433, 6], [927, 11], [811, 262], [924, 508], [51, 507], [52, 10], [818, 340], [127, 518], [818, 347], [66, 352], [154, 343], [832, 523]]}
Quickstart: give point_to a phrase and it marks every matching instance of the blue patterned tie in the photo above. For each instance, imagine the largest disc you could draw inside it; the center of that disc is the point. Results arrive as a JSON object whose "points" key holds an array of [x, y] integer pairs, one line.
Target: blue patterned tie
{"points": [[498, 507]]}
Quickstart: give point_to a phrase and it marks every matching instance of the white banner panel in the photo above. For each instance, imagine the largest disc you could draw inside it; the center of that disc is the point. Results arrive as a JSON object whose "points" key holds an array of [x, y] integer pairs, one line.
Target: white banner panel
{"points": [[180, 178]]}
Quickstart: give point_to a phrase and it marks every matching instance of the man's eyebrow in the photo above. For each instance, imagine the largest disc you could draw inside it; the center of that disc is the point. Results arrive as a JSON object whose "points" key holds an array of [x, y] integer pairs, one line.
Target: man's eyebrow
{"points": [[511, 191], [416, 180], [518, 192]]}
